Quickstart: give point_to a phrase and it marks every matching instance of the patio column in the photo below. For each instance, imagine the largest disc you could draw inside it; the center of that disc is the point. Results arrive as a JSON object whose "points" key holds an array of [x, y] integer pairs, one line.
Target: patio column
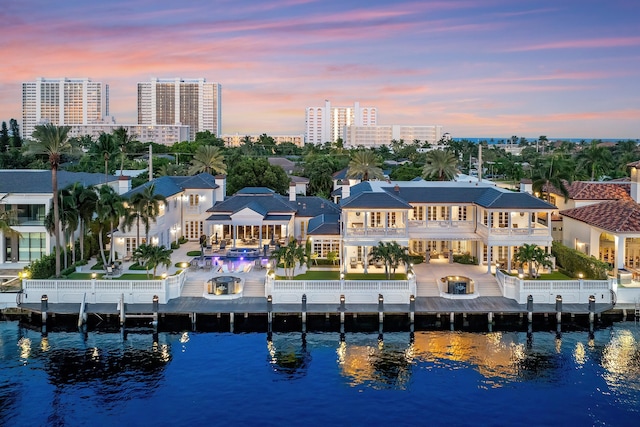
{"points": [[619, 241], [235, 234], [509, 258], [260, 236], [3, 241], [365, 259], [488, 258]]}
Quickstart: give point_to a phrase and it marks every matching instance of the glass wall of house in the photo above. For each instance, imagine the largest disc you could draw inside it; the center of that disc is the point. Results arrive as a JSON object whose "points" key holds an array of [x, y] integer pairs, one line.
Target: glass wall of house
{"points": [[30, 214], [632, 252], [31, 246], [322, 247]]}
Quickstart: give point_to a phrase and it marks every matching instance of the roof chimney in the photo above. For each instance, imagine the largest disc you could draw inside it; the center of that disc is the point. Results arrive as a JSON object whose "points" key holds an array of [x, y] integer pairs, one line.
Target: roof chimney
{"points": [[396, 188], [292, 191]]}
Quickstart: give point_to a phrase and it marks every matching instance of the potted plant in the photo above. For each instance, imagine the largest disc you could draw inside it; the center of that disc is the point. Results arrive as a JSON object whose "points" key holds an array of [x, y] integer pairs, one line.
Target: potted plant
{"points": [[79, 265]]}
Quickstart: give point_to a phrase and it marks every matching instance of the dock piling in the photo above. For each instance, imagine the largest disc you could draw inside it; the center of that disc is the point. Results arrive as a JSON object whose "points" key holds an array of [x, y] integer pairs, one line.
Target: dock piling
{"points": [[270, 313], [155, 308], [380, 309], [44, 306], [530, 308], [559, 309], [122, 311], [193, 317], [592, 310], [231, 321], [412, 309], [304, 313], [342, 310]]}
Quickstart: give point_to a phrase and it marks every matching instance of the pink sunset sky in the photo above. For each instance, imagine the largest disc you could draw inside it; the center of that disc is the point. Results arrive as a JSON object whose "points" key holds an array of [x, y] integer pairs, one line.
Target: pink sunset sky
{"points": [[489, 68]]}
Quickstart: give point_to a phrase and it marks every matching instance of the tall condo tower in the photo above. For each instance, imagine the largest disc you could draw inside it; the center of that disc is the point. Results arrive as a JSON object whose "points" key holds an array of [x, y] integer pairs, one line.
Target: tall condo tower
{"points": [[326, 124], [63, 102], [191, 102]]}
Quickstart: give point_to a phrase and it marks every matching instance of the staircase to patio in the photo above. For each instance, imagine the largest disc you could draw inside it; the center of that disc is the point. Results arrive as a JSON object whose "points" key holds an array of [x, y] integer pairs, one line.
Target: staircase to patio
{"points": [[193, 287]]}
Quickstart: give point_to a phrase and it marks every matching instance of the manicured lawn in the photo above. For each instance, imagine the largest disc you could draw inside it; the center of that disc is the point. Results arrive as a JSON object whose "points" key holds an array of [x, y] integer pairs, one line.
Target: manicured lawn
{"points": [[335, 275], [99, 276], [555, 275]]}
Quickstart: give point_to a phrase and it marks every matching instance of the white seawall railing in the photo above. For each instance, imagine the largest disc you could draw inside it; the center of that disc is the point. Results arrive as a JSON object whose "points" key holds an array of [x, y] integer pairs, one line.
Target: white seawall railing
{"points": [[103, 291], [329, 291], [545, 291]]}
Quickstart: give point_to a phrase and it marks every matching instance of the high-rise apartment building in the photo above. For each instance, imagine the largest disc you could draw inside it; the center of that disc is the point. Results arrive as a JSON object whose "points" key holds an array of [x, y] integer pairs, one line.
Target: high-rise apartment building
{"points": [[63, 102], [191, 102], [326, 124], [375, 136]]}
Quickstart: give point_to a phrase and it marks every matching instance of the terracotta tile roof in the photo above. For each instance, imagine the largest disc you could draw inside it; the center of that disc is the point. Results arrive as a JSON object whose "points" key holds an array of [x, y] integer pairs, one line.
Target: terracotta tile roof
{"points": [[589, 190], [635, 164], [617, 216]]}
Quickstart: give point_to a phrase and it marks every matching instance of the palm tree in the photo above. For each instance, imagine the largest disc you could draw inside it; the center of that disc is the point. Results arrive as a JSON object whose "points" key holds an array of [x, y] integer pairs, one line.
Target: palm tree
{"points": [[52, 141], [289, 255], [441, 165], [381, 253], [147, 204], [70, 218], [109, 209], [364, 165], [534, 256], [152, 256], [209, 159], [554, 170], [123, 140], [596, 159], [106, 147], [171, 169], [87, 201]]}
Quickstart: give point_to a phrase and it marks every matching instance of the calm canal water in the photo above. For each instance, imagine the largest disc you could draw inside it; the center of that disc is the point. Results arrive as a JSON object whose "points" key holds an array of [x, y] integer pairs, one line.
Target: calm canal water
{"points": [[216, 379]]}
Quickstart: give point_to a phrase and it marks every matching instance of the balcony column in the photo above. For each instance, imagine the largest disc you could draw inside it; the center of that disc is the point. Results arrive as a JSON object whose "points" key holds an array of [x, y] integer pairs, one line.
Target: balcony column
{"points": [[3, 241], [509, 258], [450, 215], [488, 258], [365, 259]]}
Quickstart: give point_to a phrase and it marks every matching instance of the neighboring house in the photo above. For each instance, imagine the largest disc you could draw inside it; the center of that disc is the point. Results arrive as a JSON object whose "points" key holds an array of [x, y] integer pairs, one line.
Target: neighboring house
{"points": [[258, 216], [183, 215], [583, 193], [29, 194], [608, 227], [286, 164], [441, 218]]}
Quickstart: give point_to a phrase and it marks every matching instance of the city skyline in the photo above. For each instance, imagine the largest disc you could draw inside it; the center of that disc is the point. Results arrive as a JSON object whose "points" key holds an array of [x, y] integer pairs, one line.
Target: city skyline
{"points": [[567, 69]]}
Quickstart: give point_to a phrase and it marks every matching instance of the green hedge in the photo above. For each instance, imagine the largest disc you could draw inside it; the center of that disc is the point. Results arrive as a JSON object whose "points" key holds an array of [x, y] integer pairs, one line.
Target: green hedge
{"points": [[194, 253], [574, 262], [465, 259]]}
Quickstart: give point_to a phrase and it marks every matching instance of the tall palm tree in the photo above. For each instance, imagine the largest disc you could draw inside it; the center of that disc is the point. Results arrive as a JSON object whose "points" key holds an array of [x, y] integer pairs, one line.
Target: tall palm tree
{"points": [[52, 141], [123, 140], [441, 165], [555, 170], [106, 148], [147, 204], [209, 159], [364, 165], [70, 218], [109, 210], [87, 201]]}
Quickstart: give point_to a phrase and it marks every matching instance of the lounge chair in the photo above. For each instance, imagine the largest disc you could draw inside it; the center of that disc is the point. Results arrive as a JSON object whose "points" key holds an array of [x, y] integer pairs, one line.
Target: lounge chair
{"points": [[354, 263], [109, 274]]}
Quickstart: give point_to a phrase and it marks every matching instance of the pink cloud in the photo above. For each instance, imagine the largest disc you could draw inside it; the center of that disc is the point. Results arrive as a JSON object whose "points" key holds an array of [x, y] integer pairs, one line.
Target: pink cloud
{"points": [[579, 44]]}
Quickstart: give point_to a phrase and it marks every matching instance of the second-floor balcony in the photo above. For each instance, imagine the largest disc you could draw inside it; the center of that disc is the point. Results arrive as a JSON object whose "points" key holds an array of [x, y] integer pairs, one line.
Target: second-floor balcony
{"points": [[376, 231], [514, 230], [194, 209], [414, 223]]}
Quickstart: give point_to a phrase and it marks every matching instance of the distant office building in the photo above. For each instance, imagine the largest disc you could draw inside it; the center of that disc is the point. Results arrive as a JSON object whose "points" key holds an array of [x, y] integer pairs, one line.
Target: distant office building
{"points": [[159, 134], [63, 102], [191, 102], [326, 124], [375, 136], [236, 140]]}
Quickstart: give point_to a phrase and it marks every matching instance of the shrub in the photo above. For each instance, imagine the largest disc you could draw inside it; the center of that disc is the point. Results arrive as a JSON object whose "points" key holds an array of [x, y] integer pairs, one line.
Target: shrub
{"points": [[194, 253], [44, 267], [137, 266], [175, 245], [465, 258], [182, 240], [81, 262], [575, 262]]}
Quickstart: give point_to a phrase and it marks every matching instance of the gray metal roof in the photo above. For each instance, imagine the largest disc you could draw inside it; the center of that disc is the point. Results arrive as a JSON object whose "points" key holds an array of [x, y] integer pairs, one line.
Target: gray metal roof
{"points": [[374, 200], [169, 185], [39, 180], [256, 190], [325, 224], [310, 206], [269, 202]]}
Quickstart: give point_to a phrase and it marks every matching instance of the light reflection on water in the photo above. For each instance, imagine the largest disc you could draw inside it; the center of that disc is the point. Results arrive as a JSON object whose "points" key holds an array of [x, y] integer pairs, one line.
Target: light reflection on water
{"points": [[144, 379]]}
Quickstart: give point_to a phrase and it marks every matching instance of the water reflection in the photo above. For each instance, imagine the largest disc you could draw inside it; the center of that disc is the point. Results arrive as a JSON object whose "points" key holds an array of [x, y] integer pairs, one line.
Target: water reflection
{"points": [[288, 355]]}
